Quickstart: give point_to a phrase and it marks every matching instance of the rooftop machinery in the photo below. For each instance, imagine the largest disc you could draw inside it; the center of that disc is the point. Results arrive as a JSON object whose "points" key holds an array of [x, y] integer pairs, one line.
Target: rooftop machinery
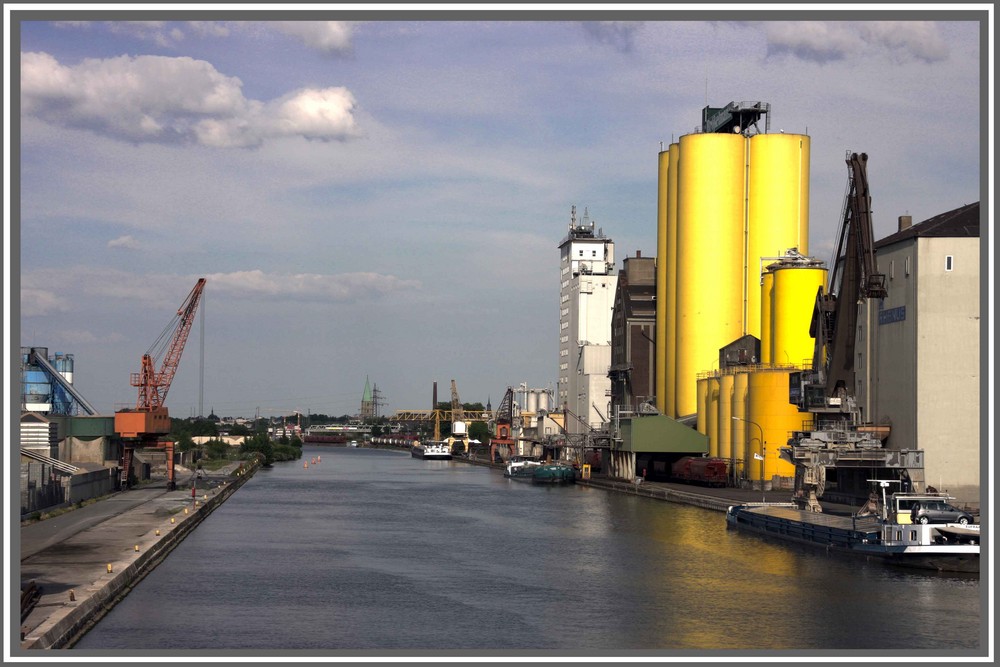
{"points": [[144, 425]]}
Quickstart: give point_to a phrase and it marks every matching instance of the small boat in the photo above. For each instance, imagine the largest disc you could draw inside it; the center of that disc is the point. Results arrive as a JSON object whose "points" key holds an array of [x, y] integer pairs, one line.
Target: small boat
{"points": [[886, 534], [431, 450], [553, 473], [521, 467]]}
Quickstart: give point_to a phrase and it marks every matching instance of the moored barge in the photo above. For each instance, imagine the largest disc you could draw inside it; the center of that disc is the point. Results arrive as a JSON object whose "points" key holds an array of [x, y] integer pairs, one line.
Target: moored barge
{"points": [[941, 547]]}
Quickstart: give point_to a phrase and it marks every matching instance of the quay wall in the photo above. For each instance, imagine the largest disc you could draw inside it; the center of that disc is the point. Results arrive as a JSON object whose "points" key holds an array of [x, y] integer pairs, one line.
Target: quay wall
{"points": [[69, 624]]}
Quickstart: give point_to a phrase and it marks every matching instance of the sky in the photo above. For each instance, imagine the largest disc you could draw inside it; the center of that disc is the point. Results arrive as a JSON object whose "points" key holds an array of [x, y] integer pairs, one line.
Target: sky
{"points": [[383, 198]]}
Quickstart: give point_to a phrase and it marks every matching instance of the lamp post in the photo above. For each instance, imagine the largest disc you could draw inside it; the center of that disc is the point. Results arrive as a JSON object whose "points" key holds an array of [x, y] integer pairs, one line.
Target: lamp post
{"points": [[763, 448]]}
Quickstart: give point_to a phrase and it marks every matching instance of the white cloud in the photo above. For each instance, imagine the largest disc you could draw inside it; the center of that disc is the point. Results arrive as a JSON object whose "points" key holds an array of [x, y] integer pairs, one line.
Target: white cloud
{"points": [[175, 100], [324, 36], [35, 301], [343, 287], [64, 289], [823, 41], [127, 242]]}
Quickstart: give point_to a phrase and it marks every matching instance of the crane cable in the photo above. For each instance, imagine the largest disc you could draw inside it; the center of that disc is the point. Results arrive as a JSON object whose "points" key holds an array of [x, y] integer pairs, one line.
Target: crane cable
{"points": [[160, 344]]}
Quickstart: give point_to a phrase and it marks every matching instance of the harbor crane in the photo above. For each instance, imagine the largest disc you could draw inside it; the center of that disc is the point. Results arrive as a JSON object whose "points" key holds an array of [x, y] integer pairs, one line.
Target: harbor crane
{"points": [[829, 389], [854, 279], [143, 425]]}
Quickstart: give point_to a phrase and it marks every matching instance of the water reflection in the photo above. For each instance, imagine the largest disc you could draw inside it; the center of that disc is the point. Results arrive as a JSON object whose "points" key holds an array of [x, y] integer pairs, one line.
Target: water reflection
{"points": [[375, 550]]}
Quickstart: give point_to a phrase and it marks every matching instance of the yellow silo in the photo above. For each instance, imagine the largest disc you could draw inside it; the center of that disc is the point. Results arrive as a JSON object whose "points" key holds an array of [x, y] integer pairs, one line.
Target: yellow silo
{"points": [[671, 302], [777, 208], [710, 266], [773, 418], [661, 282], [712, 415], [739, 424], [726, 415], [795, 289], [702, 385], [766, 322]]}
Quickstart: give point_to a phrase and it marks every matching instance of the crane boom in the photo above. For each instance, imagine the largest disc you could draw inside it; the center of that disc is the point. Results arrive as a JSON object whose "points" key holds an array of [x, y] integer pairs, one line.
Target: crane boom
{"points": [[153, 385], [854, 279]]}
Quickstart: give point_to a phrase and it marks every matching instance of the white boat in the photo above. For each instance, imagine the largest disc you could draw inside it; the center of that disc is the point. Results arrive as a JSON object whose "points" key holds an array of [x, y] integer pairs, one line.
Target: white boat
{"points": [[431, 450], [886, 534], [521, 467]]}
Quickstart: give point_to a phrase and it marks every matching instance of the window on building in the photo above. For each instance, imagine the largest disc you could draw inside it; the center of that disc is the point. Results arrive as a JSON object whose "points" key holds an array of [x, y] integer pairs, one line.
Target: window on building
{"points": [[906, 267], [892, 269], [949, 262]]}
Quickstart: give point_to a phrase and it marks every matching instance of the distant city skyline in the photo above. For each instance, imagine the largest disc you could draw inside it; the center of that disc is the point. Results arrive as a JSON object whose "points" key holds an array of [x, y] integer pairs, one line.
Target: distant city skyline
{"points": [[385, 198]]}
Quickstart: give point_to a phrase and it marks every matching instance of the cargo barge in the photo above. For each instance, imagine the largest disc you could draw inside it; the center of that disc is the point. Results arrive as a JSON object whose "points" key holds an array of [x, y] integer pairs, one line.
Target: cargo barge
{"points": [[888, 536], [438, 451]]}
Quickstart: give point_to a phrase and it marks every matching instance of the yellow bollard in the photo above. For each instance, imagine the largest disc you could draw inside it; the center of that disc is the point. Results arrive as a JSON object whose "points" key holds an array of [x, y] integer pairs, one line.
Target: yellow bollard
{"points": [[171, 519], [109, 568], [157, 532], [205, 497], [186, 509], [137, 548]]}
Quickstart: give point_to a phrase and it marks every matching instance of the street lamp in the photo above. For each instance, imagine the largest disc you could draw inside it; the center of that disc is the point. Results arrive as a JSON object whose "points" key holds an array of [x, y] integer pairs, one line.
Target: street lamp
{"points": [[763, 448]]}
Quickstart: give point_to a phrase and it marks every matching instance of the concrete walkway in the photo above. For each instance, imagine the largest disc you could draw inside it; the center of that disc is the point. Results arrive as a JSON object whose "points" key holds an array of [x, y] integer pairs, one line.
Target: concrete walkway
{"points": [[84, 560]]}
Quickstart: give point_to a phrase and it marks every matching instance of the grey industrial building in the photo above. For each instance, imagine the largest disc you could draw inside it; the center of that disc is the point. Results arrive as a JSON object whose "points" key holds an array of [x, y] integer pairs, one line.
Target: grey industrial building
{"points": [[919, 349]]}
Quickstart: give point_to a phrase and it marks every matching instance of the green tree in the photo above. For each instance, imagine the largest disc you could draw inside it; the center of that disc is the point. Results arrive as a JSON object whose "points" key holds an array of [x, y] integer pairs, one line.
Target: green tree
{"points": [[259, 442], [185, 443], [479, 431], [238, 429], [216, 449]]}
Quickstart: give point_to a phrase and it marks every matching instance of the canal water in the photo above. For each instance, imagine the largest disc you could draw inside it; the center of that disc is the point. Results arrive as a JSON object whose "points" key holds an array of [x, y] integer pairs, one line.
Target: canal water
{"points": [[373, 550]]}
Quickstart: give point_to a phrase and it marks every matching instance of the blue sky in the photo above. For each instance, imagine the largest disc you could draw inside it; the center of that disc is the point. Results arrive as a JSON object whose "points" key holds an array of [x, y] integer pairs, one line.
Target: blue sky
{"points": [[385, 198]]}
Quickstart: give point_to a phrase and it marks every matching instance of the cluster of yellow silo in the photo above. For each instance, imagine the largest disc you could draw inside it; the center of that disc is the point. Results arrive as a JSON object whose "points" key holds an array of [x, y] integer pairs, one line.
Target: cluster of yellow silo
{"points": [[748, 418], [733, 220]]}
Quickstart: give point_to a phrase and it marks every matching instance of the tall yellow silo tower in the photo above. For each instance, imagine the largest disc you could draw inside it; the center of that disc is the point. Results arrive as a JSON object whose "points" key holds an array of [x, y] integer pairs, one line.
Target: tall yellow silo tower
{"points": [[662, 248], [671, 303], [710, 262], [742, 199], [777, 208]]}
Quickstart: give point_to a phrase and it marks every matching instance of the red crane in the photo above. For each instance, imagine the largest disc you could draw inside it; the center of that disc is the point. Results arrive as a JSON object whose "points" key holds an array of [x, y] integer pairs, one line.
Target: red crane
{"points": [[150, 419]]}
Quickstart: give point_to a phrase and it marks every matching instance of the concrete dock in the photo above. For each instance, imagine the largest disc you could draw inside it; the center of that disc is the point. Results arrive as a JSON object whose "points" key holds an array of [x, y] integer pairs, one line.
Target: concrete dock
{"points": [[82, 562]]}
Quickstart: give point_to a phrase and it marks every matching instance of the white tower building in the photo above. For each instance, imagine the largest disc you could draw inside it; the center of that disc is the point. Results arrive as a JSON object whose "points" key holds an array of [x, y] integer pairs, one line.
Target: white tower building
{"points": [[586, 301]]}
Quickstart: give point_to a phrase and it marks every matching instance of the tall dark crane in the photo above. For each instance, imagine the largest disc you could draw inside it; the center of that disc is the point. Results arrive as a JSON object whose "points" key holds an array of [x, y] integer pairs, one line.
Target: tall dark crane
{"points": [[144, 425], [842, 442], [853, 280], [504, 423]]}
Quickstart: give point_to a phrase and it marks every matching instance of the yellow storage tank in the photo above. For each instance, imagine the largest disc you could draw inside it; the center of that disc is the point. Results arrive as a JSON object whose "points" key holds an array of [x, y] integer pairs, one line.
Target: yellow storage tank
{"points": [[795, 288], [774, 418], [663, 163], [671, 302], [766, 302], [777, 208], [712, 415], [702, 384], [710, 267], [726, 415], [739, 424]]}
